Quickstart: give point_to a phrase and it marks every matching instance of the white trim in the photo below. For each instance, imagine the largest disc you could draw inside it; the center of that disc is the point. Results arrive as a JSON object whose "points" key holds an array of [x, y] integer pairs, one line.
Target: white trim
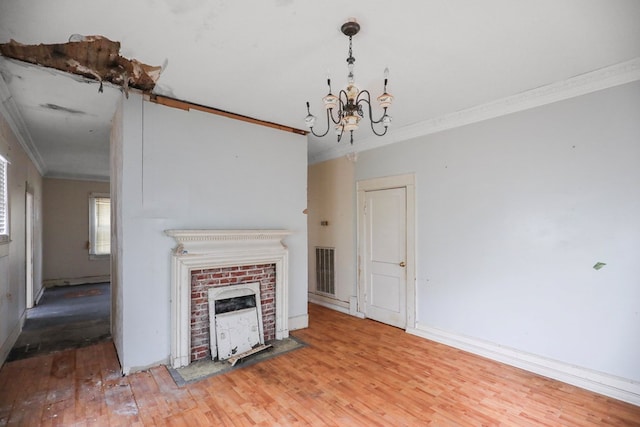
{"points": [[398, 181], [599, 382], [615, 75], [330, 303], [298, 322], [11, 113], [353, 307], [29, 252], [78, 177]]}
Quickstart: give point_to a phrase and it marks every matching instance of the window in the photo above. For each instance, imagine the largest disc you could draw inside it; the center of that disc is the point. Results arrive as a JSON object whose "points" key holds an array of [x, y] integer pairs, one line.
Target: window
{"points": [[99, 226], [4, 205]]}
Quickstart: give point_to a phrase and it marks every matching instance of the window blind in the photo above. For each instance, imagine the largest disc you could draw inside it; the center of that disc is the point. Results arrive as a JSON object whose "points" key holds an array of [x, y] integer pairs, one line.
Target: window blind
{"points": [[4, 208], [100, 225]]}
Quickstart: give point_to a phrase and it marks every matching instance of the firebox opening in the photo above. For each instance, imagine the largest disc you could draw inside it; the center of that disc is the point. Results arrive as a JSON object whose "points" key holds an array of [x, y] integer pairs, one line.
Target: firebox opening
{"points": [[233, 304]]}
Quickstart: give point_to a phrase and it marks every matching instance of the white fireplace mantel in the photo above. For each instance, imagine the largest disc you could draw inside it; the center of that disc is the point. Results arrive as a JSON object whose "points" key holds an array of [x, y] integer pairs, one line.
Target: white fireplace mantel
{"points": [[205, 241], [204, 249]]}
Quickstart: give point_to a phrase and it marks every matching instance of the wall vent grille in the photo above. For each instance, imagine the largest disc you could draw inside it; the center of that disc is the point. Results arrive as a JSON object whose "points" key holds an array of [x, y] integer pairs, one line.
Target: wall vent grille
{"points": [[325, 271]]}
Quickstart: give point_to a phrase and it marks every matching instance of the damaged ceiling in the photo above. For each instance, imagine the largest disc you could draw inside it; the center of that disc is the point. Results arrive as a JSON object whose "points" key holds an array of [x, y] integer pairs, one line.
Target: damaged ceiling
{"points": [[68, 121], [266, 59], [68, 132], [90, 56]]}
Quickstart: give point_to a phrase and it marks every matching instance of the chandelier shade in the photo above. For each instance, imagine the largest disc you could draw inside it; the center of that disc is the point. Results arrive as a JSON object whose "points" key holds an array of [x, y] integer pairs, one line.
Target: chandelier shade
{"points": [[349, 107]]}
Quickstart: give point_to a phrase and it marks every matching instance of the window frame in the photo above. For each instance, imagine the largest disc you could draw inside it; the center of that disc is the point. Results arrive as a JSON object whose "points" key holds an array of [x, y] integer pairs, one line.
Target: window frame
{"points": [[93, 230], [5, 229]]}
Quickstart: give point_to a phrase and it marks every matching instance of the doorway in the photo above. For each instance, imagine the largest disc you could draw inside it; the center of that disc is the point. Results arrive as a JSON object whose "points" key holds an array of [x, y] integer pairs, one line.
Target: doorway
{"points": [[386, 250]]}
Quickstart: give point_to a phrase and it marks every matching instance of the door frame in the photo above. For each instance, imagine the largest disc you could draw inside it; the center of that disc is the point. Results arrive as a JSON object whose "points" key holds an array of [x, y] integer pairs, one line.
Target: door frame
{"points": [[29, 250], [384, 183]]}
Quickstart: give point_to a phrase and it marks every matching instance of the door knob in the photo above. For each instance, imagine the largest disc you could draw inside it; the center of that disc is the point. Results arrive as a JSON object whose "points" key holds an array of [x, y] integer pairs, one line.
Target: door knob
{"points": [[403, 264]]}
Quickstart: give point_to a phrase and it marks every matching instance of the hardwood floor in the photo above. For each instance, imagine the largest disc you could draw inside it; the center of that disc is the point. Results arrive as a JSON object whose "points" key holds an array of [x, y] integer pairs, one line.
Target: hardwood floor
{"points": [[354, 372]]}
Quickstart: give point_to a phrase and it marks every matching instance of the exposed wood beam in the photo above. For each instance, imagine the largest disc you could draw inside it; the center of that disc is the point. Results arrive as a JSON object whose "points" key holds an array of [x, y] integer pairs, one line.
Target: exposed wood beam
{"points": [[186, 106]]}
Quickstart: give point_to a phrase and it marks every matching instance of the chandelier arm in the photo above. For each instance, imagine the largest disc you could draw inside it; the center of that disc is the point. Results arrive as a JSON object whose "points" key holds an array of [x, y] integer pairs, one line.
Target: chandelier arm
{"points": [[346, 98], [341, 107], [365, 93], [386, 128], [330, 114], [376, 122], [326, 131], [367, 100]]}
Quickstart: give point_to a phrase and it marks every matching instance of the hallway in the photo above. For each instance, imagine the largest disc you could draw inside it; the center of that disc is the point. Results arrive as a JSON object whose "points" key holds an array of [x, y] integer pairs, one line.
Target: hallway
{"points": [[66, 317]]}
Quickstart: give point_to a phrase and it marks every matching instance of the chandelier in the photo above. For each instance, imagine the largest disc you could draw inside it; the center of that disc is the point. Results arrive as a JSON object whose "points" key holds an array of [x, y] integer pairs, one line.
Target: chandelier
{"points": [[348, 108]]}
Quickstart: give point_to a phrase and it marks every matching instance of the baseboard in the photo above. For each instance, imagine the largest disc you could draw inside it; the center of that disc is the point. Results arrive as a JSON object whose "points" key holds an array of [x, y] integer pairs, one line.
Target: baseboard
{"points": [[8, 344], [133, 369], [299, 322], [599, 382], [331, 303], [76, 281]]}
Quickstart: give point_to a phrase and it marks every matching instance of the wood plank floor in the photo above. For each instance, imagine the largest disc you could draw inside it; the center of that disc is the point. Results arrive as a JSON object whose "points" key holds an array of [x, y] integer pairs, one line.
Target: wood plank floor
{"points": [[354, 372]]}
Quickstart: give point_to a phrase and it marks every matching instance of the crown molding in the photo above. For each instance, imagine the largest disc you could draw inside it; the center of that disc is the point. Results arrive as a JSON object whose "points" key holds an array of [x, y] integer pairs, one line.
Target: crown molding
{"points": [[78, 177], [11, 113], [615, 75]]}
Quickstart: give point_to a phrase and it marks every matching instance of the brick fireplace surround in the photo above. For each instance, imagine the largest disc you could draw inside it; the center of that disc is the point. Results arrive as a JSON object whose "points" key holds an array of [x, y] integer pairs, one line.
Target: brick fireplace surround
{"points": [[207, 258], [202, 280]]}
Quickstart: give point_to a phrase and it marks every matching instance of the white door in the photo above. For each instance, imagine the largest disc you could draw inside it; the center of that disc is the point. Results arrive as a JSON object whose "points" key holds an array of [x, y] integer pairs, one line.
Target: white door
{"points": [[29, 249], [386, 254]]}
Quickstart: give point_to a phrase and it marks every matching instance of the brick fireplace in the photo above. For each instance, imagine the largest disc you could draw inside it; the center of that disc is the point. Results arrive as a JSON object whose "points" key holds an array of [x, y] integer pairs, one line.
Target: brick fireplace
{"points": [[215, 258]]}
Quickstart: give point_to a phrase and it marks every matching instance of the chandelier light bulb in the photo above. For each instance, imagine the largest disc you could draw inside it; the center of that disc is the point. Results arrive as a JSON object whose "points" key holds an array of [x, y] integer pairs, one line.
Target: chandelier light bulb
{"points": [[310, 120], [352, 92]]}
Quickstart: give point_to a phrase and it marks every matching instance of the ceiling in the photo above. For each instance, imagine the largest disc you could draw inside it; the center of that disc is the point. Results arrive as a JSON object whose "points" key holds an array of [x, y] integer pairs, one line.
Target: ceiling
{"points": [[266, 59]]}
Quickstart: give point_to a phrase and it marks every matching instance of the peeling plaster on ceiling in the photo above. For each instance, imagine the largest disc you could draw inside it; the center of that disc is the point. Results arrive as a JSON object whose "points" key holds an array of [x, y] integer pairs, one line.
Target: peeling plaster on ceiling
{"points": [[89, 56]]}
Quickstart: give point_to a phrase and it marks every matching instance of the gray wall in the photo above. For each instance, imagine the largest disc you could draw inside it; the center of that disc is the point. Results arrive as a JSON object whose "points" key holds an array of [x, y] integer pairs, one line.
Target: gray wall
{"points": [[512, 214], [195, 170]]}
